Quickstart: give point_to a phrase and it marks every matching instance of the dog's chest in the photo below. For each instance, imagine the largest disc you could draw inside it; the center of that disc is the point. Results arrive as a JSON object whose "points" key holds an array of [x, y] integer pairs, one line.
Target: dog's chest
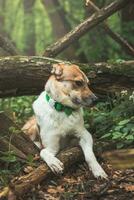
{"points": [[50, 119], [60, 121]]}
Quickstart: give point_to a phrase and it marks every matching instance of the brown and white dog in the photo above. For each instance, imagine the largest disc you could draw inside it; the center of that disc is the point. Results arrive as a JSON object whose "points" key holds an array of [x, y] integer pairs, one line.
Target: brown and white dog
{"points": [[59, 114]]}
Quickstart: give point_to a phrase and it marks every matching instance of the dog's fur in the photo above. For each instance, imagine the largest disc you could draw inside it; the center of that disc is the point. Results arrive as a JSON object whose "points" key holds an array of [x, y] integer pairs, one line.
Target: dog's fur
{"points": [[69, 86]]}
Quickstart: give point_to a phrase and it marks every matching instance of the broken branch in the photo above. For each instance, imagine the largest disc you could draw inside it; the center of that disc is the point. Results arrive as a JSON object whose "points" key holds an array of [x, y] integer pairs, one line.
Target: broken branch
{"points": [[85, 26]]}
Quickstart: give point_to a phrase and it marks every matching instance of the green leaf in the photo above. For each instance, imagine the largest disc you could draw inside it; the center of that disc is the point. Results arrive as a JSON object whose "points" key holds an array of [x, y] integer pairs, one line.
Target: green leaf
{"points": [[130, 137], [117, 128], [119, 145], [124, 122], [117, 135], [106, 135]]}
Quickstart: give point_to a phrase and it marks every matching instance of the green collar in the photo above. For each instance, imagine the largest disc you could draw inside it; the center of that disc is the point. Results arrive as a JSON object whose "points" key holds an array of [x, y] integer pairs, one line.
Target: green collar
{"points": [[58, 106]]}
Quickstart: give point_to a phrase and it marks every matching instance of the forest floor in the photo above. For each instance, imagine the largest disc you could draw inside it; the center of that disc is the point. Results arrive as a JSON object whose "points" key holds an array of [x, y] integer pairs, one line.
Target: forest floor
{"points": [[79, 184]]}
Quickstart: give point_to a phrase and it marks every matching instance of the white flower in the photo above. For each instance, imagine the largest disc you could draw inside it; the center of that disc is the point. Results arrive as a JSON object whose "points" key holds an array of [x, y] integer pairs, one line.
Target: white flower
{"points": [[124, 93]]}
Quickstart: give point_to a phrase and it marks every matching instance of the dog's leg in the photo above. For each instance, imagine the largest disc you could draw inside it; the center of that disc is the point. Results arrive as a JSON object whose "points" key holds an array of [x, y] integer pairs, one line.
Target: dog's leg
{"points": [[86, 143], [51, 144]]}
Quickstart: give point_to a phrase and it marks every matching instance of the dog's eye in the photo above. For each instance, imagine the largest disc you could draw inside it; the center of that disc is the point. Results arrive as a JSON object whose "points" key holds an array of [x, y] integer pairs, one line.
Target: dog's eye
{"points": [[79, 83]]}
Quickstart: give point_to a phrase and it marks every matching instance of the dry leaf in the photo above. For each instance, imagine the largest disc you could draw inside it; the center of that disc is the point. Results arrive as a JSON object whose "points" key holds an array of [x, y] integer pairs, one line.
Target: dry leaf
{"points": [[129, 188]]}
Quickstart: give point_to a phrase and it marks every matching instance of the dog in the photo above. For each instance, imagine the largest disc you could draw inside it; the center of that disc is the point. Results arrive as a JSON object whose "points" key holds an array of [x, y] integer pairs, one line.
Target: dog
{"points": [[59, 114]]}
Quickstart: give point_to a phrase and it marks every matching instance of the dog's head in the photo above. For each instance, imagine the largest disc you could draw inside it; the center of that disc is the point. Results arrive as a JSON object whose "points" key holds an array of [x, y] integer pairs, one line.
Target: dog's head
{"points": [[69, 86]]}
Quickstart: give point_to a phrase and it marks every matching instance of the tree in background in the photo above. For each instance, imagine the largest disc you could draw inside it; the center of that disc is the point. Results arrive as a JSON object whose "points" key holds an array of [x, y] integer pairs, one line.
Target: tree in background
{"points": [[61, 26], [127, 23], [29, 27]]}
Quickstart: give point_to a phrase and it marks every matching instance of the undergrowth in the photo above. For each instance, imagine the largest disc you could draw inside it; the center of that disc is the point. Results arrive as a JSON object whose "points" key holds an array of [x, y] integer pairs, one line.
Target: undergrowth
{"points": [[112, 120]]}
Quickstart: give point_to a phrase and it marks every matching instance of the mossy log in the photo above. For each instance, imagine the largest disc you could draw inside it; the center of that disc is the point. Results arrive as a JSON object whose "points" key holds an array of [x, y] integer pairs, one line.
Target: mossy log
{"points": [[27, 75]]}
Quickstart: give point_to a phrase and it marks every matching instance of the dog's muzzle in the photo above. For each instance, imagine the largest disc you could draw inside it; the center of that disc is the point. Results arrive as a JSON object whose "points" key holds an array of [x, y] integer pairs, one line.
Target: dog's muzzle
{"points": [[90, 100], [86, 101]]}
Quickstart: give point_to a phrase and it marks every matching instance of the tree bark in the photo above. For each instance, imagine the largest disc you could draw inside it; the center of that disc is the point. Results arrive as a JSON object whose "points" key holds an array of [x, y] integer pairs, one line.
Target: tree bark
{"points": [[27, 75], [13, 139], [82, 28]]}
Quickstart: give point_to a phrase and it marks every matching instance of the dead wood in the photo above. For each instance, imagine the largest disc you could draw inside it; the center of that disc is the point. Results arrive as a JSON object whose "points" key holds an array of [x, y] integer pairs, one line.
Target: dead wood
{"points": [[85, 26], [27, 75], [115, 36], [21, 185], [12, 139], [120, 159], [25, 183]]}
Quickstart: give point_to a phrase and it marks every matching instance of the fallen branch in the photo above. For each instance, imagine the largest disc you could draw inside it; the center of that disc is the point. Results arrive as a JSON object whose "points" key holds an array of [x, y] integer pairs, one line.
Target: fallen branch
{"points": [[20, 185], [120, 159], [85, 26], [12, 139], [26, 182], [115, 36], [27, 75]]}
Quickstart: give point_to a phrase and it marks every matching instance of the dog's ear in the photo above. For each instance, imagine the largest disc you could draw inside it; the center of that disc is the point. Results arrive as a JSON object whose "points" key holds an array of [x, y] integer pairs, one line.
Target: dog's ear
{"points": [[57, 70]]}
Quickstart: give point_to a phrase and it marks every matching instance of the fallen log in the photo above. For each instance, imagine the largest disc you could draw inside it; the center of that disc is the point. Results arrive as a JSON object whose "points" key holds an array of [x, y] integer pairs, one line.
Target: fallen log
{"points": [[120, 159], [13, 139], [26, 182], [20, 185], [27, 75], [85, 26]]}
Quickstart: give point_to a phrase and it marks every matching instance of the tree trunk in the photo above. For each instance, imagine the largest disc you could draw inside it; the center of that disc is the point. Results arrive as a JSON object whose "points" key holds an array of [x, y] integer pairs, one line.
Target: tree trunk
{"points": [[128, 22], [2, 9], [7, 46], [27, 75], [29, 27], [82, 28], [61, 27]]}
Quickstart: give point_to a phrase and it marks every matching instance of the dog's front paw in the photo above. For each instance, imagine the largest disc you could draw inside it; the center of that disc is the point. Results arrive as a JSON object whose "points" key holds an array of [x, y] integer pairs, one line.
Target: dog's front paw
{"points": [[98, 172], [56, 165]]}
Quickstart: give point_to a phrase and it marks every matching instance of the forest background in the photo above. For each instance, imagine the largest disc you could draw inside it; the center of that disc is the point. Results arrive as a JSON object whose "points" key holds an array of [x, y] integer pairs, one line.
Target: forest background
{"points": [[35, 24]]}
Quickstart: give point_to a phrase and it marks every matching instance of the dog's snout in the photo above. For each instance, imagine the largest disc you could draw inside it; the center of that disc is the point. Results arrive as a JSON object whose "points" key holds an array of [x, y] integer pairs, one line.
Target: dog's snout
{"points": [[94, 98], [90, 100]]}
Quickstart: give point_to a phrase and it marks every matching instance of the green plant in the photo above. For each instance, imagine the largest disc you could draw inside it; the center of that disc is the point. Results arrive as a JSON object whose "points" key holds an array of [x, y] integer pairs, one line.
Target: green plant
{"points": [[113, 120]]}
